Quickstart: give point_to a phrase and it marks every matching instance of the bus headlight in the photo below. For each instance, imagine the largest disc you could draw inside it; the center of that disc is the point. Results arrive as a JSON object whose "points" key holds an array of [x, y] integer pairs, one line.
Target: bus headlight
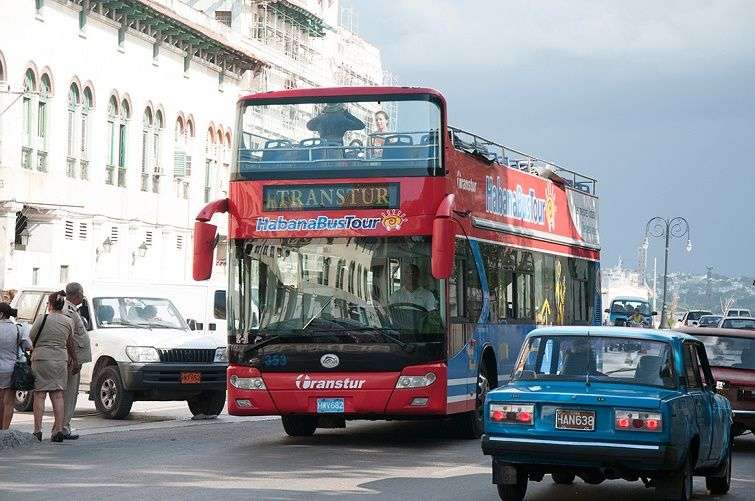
{"points": [[247, 383], [416, 381], [221, 355]]}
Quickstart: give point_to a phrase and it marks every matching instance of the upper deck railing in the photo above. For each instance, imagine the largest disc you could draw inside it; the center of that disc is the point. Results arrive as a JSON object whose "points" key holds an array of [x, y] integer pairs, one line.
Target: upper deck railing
{"points": [[509, 157]]}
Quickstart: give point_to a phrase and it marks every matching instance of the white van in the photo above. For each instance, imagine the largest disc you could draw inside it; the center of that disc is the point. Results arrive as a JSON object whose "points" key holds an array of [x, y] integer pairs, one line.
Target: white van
{"points": [[142, 349]]}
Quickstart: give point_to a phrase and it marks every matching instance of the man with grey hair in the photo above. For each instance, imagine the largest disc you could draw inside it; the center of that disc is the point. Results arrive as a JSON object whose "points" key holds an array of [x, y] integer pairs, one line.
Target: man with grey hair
{"points": [[74, 300]]}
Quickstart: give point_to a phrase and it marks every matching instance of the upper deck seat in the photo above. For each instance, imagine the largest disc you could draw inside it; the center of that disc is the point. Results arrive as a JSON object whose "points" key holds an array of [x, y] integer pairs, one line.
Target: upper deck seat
{"points": [[277, 150], [316, 148], [397, 147]]}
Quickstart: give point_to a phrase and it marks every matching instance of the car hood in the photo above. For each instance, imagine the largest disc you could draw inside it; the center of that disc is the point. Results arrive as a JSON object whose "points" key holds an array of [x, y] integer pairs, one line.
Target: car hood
{"points": [[164, 339], [574, 392], [739, 377]]}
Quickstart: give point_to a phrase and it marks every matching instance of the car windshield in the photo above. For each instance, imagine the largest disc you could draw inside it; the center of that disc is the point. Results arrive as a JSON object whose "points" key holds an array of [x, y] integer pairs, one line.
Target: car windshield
{"points": [[605, 359], [739, 323], [322, 137], [695, 315], [730, 351], [305, 286], [628, 306], [143, 312], [709, 320]]}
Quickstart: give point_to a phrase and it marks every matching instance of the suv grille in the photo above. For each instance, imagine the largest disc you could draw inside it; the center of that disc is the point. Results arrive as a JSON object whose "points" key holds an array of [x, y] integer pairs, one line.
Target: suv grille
{"points": [[187, 355]]}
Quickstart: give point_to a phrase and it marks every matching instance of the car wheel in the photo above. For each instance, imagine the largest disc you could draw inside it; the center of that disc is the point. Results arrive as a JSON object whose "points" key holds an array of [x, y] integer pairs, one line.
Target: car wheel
{"points": [[209, 403], [720, 484], [682, 482], [471, 424], [561, 478], [110, 397], [299, 426], [24, 401], [514, 492]]}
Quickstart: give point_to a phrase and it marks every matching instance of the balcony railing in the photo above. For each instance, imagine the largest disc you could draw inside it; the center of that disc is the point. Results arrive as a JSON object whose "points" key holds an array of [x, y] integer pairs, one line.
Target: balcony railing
{"points": [[109, 174], [42, 161], [26, 154], [84, 169], [70, 167], [122, 177]]}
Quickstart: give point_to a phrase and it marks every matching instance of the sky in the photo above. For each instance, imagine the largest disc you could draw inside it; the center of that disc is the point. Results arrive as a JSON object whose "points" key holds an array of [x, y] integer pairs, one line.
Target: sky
{"points": [[654, 99]]}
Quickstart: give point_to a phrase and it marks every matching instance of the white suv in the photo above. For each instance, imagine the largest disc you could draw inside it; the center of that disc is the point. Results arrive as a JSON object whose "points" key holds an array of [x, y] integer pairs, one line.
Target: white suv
{"points": [[738, 312], [692, 317], [142, 349]]}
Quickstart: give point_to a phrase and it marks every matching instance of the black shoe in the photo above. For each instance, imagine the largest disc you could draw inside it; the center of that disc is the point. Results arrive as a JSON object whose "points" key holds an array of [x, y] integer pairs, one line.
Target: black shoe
{"points": [[38, 435], [70, 436], [57, 437]]}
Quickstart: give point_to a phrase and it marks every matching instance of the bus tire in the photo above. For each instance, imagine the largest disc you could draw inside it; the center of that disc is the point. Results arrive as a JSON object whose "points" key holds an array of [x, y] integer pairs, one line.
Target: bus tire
{"points": [[299, 426], [209, 403], [471, 423]]}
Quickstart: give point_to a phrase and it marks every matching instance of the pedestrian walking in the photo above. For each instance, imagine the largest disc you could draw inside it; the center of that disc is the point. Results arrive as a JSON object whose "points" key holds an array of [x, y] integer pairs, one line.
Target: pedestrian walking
{"points": [[12, 340], [82, 346], [53, 356]]}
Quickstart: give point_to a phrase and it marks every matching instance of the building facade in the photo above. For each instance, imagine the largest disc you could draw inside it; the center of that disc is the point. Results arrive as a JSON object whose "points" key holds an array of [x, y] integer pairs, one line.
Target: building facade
{"points": [[117, 124]]}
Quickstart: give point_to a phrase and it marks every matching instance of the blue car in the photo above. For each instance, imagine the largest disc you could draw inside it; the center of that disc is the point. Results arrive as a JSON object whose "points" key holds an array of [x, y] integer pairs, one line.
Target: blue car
{"points": [[609, 403]]}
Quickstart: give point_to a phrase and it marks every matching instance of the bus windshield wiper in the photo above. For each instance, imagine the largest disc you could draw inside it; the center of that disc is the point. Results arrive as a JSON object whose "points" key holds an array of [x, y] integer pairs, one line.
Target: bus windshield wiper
{"points": [[382, 331]]}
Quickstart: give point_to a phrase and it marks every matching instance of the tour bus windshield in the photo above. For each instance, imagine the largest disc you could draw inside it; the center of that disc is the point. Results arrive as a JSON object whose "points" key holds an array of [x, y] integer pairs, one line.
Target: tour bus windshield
{"points": [[326, 137], [603, 359], [361, 287], [628, 306]]}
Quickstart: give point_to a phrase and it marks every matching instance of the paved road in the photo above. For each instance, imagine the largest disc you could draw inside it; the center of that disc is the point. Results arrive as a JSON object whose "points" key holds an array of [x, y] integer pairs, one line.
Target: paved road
{"points": [[224, 459]]}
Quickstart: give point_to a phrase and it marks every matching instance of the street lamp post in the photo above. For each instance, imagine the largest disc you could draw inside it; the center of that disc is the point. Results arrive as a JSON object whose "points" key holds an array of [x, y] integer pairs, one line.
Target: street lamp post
{"points": [[659, 227]]}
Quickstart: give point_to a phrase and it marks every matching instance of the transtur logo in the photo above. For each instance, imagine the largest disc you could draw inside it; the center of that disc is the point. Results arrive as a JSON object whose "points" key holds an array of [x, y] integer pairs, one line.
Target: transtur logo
{"points": [[304, 382], [466, 184], [393, 219]]}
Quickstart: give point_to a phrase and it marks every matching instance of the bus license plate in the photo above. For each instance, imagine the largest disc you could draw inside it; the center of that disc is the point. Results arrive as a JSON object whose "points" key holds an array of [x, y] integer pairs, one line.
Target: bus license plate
{"points": [[191, 377], [570, 419], [330, 406]]}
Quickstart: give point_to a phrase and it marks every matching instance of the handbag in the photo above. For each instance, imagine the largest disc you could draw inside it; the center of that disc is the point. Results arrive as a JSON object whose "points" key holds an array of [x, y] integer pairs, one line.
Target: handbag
{"points": [[22, 378]]}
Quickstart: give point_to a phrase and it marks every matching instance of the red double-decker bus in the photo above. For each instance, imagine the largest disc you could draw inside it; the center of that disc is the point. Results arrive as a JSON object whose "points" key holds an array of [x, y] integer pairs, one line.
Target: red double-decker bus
{"points": [[383, 265]]}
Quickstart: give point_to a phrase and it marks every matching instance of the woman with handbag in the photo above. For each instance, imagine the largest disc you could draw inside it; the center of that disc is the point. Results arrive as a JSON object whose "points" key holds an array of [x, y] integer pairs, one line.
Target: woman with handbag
{"points": [[13, 344], [52, 358]]}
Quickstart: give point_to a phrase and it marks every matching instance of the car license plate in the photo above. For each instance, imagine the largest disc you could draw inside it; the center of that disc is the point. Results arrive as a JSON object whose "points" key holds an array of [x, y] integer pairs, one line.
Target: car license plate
{"points": [[571, 419], [330, 406], [191, 377]]}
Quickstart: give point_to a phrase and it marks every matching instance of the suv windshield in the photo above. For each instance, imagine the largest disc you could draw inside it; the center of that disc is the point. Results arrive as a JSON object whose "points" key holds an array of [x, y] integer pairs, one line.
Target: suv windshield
{"points": [[323, 137], [154, 313], [628, 306], [366, 288], [709, 320], [729, 351], [605, 359]]}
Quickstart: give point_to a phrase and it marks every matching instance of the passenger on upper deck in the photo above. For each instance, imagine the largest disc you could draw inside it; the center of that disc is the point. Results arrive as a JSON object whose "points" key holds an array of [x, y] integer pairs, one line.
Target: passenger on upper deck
{"points": [[411, 292], [381, 123], [333, 122]]}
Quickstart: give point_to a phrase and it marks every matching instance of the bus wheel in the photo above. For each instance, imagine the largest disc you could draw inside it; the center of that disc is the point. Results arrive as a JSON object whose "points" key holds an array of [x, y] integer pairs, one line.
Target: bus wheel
{"points": [[299, 426], [471, 423]]}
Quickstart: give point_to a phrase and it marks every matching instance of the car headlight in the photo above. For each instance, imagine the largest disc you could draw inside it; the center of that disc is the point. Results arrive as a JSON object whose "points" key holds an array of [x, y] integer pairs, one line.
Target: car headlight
{"points": [[142, 354], [247, 383], [416, 381], [221, 355]]}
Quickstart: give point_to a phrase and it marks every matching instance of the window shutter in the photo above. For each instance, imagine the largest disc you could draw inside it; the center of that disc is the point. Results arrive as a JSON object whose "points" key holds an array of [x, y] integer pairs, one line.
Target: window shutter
{"points": [[179, 163], [83, 231], [69, 230], [114, 234]]}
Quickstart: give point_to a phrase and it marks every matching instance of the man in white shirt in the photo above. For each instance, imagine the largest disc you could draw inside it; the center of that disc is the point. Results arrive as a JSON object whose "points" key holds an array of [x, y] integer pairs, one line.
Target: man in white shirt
{"points": [[411, 292]]}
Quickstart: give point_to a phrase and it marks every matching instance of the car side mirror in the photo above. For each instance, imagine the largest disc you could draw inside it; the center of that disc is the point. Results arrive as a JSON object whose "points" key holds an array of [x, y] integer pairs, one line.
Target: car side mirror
{"points": [[655, 313], [607, 310]]}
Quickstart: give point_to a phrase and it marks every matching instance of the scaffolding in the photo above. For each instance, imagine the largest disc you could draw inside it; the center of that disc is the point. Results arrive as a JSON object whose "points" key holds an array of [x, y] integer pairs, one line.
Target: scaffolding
{"points": [[288, 28]]}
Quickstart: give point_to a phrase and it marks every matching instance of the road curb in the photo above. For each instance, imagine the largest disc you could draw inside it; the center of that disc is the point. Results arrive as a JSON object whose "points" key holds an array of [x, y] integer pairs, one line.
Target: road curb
{"points": [[14, 439]]}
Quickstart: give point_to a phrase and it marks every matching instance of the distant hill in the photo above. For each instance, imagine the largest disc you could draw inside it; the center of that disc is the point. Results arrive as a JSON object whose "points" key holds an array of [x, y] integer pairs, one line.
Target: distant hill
{"points": [[690, 291]]}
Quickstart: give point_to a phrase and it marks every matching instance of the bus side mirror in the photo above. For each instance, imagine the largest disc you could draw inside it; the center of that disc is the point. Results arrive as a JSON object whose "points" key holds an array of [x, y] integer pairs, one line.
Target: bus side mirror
{"points": [[204, 250], [443, 248]]}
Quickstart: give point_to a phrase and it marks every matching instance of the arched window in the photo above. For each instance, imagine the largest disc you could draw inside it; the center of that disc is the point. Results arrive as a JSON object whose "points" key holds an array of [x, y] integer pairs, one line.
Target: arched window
{"points": [[45, 93], [30, 86], [156, 140], [210, 162], [86, 107], [74, 98], [147, 169], [182, 157], [112, 121], [125, 115]]}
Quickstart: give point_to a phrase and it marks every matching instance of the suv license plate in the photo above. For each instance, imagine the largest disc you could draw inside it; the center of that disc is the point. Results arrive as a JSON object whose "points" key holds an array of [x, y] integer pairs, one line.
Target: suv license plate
{"points": [[191, 377], [330, 406], [570, 419]]}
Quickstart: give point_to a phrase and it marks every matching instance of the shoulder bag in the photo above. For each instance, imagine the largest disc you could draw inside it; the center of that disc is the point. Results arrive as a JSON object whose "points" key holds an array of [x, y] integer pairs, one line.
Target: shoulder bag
{"points": [[23, 378]]}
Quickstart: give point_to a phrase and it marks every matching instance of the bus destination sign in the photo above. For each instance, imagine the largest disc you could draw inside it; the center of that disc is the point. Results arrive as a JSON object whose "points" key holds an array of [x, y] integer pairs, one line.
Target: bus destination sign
{"points": [[331, 196]]}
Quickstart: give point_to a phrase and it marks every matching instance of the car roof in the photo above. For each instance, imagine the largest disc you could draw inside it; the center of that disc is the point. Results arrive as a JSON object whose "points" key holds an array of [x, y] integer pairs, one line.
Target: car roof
{"points": [[711, 315], [607, 331], [717, 331], [630, 298]]}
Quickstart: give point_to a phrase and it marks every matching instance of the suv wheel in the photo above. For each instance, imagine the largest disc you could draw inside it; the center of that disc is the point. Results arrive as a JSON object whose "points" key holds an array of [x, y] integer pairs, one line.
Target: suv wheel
{"points": [[110, 397], [209, 403], [299, 426], [514, 492], [24, 401]]}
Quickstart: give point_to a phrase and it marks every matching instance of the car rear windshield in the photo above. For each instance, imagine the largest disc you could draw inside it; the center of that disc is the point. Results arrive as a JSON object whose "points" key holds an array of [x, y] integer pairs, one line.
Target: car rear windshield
{"points": [[739, 323], [730, 351], [605, 359]]}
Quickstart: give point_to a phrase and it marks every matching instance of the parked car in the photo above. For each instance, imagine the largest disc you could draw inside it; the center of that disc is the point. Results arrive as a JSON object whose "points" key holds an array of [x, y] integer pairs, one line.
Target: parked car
{"points": [[731, 354], [142, 349], [692, 317], [607, 403], [746, 323], [738, 312], [622, 308], [709, 321]]}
